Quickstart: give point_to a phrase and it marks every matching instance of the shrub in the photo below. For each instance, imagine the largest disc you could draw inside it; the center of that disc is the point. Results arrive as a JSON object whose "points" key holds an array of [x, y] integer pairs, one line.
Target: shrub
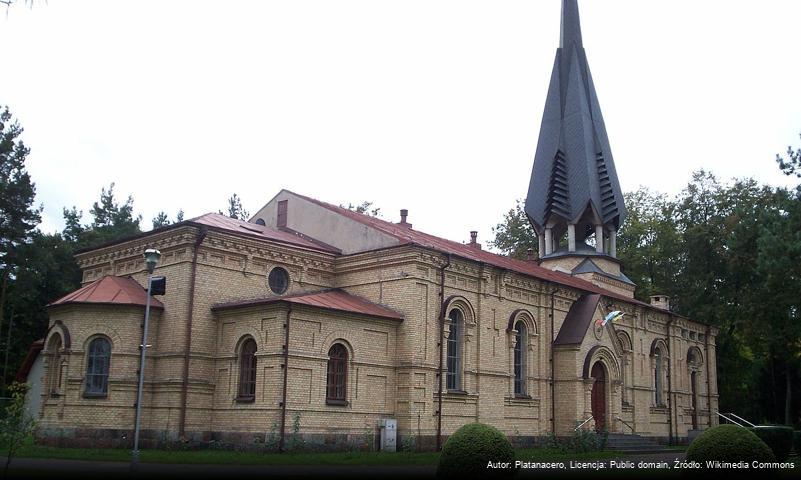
{"points": [[729, 443], [797, 442], [469, 450], [580, 441], [778, 437]]}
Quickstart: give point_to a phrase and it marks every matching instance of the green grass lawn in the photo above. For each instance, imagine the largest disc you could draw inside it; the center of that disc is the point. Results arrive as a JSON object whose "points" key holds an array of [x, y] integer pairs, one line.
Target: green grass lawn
{"points": [[251, 458]]}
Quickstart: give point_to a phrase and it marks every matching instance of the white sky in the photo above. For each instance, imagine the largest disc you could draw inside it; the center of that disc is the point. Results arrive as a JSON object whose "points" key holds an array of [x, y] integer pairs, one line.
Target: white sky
{"points": [[429, 105]]}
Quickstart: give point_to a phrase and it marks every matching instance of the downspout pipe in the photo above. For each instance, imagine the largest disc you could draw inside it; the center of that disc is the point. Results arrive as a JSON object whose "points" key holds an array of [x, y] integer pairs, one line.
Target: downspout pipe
{"points": [[441, 348], [553, 366], [201, 235], [281, 440], [708, 384], [669, 380]]}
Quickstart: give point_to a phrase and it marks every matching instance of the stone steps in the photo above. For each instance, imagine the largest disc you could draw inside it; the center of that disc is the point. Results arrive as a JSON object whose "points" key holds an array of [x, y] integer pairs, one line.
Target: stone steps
{"points": [[633, 443]]}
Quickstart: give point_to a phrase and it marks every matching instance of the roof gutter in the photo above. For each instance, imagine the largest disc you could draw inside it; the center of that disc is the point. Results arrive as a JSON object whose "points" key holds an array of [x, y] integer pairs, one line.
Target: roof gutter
{"points": [[201, 235], [441, 348]]}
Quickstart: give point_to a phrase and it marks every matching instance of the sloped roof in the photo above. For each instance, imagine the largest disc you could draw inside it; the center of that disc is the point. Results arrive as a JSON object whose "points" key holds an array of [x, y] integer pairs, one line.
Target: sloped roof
{"points": [[578, 320], [588, 266], [110, 290], [335, 299], [216, 221], [410, 236], [223, 222]]}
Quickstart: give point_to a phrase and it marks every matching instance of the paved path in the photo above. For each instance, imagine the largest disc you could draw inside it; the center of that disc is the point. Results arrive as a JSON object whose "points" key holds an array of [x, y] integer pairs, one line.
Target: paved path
{"points": [[55, 468]]}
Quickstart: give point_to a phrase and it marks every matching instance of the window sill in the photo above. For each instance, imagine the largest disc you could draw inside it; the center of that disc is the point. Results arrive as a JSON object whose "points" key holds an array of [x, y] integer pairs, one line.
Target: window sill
{"points": [[522, 396], [248, 399], [337, 403], [95, 395], [456, 392]]}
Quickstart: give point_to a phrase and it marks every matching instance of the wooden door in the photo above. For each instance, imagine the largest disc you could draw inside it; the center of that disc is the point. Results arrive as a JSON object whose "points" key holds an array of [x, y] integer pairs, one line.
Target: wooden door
{"points": [[598, 398]]}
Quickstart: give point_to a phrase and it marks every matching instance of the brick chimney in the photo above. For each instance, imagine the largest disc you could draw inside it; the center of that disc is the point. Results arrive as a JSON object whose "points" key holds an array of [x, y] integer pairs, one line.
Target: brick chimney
{"points": [[473, 237], [403, 223], [660, 301]]}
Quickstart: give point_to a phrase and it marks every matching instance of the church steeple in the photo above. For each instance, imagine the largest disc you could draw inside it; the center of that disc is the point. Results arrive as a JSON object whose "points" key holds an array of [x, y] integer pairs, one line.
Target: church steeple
{"points": [[574, 188]]}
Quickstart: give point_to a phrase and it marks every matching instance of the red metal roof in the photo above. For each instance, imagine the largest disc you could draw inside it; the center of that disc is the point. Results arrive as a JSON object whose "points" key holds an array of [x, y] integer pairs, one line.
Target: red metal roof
{"points": [[110, 290], [410, 236], [336, 299], [215, 220]]}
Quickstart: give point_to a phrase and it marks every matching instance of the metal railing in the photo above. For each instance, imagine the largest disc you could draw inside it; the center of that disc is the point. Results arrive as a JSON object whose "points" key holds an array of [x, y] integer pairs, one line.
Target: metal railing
{"points": [[582, 423], [625, 423], [735, 422]]}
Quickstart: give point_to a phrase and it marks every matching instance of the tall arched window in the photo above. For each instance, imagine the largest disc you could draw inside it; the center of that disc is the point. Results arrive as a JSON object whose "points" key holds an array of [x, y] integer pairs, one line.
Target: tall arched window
{"points": [[521, 341], [658, 373], [454, 375], [54, 373], [98, 356], [247, 371], [336, 386]]}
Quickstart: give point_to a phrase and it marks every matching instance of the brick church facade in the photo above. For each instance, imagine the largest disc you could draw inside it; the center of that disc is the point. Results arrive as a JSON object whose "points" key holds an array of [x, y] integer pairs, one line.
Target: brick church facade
{"points": [[314, 315]]}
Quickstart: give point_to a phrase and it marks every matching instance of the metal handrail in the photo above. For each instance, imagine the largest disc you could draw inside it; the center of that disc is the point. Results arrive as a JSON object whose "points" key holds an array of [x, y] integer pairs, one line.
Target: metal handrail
{"points": [[728, 419], [582, 423], [626, 424], [741, 419]]}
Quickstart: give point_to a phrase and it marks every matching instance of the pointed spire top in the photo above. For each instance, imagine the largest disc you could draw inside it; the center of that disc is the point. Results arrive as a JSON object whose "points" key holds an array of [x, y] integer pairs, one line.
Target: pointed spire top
{"points": [[571, 25]]}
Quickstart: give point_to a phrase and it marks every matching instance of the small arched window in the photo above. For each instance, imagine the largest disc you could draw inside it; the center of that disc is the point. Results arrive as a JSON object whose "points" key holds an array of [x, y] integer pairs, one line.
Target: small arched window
{"points": [[98, 356], [337, 378], [658, 374], [54, 373], [247, 371], [454, 353], [521, 341]]}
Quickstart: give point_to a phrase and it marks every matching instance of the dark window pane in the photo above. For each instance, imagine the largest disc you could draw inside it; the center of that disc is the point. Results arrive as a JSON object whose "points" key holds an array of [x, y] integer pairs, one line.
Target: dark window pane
{"points": [[278, 280], [97, 365], [337, 372], [247, 369]]}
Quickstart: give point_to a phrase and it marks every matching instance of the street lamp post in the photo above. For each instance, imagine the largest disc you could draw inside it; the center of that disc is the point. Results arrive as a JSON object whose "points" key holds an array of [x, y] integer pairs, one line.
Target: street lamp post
{"points": [[152, 257]]}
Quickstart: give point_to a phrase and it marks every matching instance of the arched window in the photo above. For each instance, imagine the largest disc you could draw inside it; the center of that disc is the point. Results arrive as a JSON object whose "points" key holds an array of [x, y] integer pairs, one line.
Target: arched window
{"points": [[454, 353], [625, 344], [336, 386], [521, 341], [54, 373], [658, 374], [247, 371], [98, 356]]}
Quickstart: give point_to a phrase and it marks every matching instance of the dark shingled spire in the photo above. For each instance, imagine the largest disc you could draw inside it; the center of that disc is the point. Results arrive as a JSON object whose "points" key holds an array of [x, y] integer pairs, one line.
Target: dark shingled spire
{"points": [[573, 181]]}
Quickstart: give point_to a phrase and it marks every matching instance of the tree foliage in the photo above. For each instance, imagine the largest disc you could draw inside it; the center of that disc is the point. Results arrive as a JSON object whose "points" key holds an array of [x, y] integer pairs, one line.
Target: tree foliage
{"points": [[515, 236], [792, 164], [235, 209], [365, 208]]}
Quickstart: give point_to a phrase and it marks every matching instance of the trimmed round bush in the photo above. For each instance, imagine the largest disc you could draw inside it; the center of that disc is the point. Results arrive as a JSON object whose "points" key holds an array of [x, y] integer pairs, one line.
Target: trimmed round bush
{"points": [[797, 442], [729, 443], [470, 449], [778, 437]]}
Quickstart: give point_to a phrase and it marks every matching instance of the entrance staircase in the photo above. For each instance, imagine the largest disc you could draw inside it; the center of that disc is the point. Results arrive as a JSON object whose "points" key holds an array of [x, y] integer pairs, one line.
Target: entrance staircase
{"points": [[633, 443]]}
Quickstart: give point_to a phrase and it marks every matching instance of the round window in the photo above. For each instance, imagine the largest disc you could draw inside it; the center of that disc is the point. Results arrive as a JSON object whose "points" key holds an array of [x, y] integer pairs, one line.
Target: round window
{"points": [[278, 280]]}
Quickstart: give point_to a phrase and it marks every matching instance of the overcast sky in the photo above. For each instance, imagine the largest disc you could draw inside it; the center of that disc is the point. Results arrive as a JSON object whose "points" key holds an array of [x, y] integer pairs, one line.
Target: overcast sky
{"points": [[429, 105]]}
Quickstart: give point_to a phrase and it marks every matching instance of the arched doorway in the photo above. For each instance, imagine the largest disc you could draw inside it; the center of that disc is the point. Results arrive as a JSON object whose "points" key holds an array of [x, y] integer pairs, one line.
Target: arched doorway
{"points": [[598, 397]]}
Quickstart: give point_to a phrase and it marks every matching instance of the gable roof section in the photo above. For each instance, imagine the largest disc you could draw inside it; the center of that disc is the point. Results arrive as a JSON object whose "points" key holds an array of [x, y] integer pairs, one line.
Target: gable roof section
{"points": [[578, 320], [110, 290], [410, 236], [218, 222], [335, 299], [588, 266]]}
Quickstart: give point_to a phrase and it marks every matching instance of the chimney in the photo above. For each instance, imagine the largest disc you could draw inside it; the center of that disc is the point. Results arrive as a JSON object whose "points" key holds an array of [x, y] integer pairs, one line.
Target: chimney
{"points": [[530, 255], [660, 301], [403, 223], [473, 238]]}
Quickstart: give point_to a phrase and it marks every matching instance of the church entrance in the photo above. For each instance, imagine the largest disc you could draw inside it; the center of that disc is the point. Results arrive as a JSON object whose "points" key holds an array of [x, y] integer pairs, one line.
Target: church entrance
{"points": [[598, 397]]}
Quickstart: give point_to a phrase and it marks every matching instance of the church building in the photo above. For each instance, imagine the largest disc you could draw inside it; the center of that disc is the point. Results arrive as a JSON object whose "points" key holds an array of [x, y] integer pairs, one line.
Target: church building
{"points": [[311, 322]]}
